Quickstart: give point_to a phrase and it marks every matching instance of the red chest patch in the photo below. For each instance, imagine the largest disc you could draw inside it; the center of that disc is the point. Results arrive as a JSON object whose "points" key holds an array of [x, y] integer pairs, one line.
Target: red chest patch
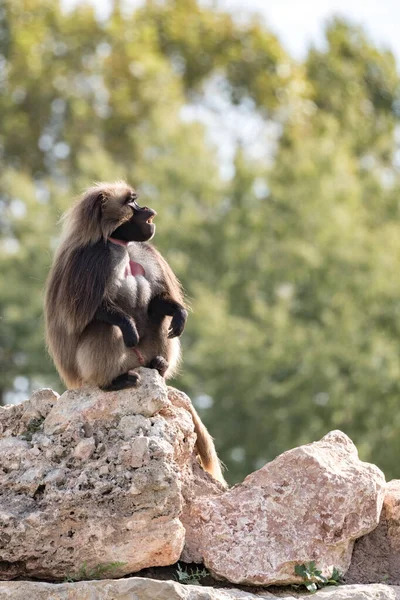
{"points": [[134, 269]]}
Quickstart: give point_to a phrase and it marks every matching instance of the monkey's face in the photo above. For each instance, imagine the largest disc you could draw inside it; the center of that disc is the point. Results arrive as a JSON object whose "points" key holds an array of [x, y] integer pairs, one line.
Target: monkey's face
{"points": [[134, 222]]}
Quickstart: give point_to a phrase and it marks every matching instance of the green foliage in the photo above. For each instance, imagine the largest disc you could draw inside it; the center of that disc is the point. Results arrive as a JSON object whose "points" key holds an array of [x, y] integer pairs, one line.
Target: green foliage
{"points": [[100, 571], [190, 576], [290, 262], [313, 578], [358, 84]]}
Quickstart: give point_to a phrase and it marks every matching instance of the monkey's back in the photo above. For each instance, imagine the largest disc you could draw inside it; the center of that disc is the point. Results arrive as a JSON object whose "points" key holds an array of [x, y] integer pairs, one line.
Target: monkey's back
{"points": [[61, 343], [74, 290]]}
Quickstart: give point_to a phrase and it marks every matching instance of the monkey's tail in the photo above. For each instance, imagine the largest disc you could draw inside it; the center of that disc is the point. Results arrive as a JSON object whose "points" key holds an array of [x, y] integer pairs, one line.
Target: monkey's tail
{"points": [[204, 444], [206, 449]]}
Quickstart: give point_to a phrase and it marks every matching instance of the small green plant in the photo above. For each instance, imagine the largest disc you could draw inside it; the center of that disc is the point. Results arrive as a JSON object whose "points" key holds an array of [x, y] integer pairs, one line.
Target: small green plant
{"points": [[98, 572], [190, 576], [313, 578], [33, 426]]}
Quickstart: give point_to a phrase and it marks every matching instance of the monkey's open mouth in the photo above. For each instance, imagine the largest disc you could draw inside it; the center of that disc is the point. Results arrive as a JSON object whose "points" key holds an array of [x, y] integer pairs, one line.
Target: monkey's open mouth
{"points": [[150, 219]]}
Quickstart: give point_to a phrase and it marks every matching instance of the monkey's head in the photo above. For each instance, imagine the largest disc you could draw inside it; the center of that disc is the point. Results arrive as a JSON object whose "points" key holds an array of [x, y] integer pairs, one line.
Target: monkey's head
{"points": [[110, 210], [127, 221]]}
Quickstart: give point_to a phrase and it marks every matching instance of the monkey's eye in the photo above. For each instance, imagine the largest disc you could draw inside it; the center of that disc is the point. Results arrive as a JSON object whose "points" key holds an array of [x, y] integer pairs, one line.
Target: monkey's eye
{"points": [[131, 198]]}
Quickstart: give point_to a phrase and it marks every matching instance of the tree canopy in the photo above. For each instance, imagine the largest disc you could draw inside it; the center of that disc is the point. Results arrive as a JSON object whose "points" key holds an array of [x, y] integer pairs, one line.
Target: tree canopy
{"points": [[277, 188]]}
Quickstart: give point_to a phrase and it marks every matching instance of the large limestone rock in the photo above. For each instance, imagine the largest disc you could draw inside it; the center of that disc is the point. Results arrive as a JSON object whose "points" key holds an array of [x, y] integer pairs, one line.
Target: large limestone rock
{"points": [[309, 504], [97, 484], [91, 479], [376, 556], [138, 588]]}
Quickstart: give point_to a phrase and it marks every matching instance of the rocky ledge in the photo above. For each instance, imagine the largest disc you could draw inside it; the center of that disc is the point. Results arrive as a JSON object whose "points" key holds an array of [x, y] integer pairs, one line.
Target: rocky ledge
{"points": [[139, 588], [107, 484]]}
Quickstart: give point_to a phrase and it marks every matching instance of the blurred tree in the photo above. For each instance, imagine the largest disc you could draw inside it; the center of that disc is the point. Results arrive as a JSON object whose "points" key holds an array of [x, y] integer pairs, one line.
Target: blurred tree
{"points": [[289, 263], [308, 303], [110, 109], [358, 84]]}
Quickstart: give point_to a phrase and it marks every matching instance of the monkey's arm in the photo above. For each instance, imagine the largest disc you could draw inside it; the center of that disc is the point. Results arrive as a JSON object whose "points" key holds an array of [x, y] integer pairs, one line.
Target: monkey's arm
{"points": [[162, 306], [112, 316], [77, 284], [169, 301]]}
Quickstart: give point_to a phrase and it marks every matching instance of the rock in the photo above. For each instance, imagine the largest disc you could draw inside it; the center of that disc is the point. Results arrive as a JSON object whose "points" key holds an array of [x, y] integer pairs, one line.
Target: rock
{"points": [[96, 485], [85, 448], [142, 588], [197, 484], [376, 556], [91, 479], [101, 407], [309, 504], [26, 417]]}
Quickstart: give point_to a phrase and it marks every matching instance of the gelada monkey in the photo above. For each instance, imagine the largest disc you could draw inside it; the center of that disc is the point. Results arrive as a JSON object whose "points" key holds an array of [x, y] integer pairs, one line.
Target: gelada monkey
{"points": [[112, 301]]}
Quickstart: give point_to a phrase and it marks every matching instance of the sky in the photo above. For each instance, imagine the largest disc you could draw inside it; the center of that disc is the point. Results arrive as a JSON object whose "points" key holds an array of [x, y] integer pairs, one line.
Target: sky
{"points": [[299, 23]]}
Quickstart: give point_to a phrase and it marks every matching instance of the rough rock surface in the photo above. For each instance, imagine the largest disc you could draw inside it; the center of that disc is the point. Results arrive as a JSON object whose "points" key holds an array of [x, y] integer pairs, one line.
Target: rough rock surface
{"points": [[376, 556], [310, 503], [92, 478], [97, 484], [139, 588], [196, 484]]}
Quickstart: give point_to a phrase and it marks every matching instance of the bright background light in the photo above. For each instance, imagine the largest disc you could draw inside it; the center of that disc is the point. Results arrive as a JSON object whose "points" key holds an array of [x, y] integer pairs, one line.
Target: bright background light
{"points": [[298, 24]]}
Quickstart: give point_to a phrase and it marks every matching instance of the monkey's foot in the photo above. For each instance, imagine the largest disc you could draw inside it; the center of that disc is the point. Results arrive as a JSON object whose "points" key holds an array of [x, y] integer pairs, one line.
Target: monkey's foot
{"points": [[159, 364], [122, 382]]}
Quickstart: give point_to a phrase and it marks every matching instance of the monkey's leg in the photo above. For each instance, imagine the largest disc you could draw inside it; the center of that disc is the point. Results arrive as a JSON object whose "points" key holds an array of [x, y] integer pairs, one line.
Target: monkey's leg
{"points": [[102, 357], [160, 364], [161, 352], [126, 380]]}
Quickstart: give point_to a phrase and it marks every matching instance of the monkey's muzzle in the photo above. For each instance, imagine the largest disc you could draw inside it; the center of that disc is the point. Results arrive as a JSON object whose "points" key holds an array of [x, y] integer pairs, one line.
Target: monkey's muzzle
{"points": [[147, 214]]}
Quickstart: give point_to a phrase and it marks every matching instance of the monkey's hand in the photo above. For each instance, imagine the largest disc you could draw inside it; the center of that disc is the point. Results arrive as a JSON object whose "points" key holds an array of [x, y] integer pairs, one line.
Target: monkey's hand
{"points": [[161, 307], [178, 322], [127, 325]]}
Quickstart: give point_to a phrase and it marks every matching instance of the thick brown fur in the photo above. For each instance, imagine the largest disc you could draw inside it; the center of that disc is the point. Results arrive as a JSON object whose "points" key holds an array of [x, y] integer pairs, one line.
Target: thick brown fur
{"points": [[204, 444], [87, 280]]}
